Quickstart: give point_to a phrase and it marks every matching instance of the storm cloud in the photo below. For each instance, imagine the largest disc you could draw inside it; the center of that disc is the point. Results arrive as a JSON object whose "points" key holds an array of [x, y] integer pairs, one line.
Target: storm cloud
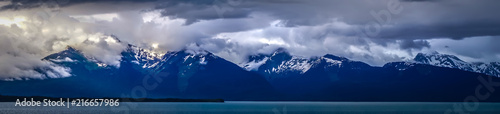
{"points": [[418, 19], [375, 32]]}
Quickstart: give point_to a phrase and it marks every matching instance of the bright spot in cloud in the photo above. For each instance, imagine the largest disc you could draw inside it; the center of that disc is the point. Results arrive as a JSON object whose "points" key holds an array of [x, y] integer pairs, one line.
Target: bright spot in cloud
{"points": [[154, 45], [93, 38], [272, 41], [96, 17], [150, 16], [110, 40], [9, 22]]}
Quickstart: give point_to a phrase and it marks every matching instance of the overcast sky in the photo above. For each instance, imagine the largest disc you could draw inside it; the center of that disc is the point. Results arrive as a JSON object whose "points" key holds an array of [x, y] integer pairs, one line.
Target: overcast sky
{"points": [[372, 31]]}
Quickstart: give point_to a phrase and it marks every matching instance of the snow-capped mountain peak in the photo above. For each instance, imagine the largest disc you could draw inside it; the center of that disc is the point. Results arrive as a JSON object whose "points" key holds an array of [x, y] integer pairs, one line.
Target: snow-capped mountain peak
{"points": [[280, 61], [294, 64], [188, 57], [333, 62], [277, 62], [451, 61], [68, 55], [144, 57], [442, 60]]}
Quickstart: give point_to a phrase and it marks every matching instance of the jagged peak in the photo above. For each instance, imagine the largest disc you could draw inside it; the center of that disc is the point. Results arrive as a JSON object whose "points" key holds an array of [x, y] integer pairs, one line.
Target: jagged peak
{"points": [[420, 55], [452, 61], [69, 52], [281, 50], [425, 57], [135, 48], [334, 57], [278, 53], [69, 48], [115, 38], [130, 45]]}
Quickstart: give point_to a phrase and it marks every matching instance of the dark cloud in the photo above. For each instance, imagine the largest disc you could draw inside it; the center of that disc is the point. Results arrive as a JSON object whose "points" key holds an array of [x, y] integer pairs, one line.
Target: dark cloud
{"points": [[197, 10], [27, 4], [414, 44], [419, 19], [419, 0]]}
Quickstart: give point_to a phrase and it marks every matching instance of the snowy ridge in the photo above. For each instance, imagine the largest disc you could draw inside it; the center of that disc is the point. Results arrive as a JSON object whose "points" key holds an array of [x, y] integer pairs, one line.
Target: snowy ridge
{"points": [[332, 62], [254, 64], [99, 63], [443, 60], [281, 62], [450, 61], [295, 64], [200, 58], [144, 57], [197, 55], [186, 57], [60, 60], [401, 66]]}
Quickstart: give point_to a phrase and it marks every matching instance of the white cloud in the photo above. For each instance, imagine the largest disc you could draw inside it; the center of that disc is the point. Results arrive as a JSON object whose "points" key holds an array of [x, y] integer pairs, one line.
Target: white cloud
{"points": [[103, 48], [29, 35], [96, 17], [305, 41]]}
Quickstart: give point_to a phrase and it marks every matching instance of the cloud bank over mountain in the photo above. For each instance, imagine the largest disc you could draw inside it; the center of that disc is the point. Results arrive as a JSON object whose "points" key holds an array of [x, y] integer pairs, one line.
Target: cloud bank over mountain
{"points": [[28, 35], [375, 32]]}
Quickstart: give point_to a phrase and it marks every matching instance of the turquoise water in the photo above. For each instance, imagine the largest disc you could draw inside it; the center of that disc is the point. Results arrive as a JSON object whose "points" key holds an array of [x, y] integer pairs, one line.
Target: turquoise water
{"points": [[238, 107]]}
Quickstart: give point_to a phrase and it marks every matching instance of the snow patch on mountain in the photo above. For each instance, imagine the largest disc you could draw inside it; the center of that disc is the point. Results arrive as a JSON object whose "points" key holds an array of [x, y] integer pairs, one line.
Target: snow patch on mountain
{"points": [[202, 61], [451, 61], [199, 57], [255, 64], [281, 62], [146, 58], [295, 64], [401, 66], [443, 60], [67, 59], [332, 62], [102, 65]]}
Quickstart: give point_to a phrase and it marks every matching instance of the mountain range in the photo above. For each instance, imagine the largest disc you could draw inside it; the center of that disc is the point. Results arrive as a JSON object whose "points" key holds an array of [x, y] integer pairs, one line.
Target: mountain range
{"points": [[451, 61], [200, 74]]}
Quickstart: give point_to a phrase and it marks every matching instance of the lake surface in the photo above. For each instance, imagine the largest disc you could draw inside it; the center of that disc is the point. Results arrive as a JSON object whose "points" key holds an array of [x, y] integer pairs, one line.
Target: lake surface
{"points": [[239, 107]]}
